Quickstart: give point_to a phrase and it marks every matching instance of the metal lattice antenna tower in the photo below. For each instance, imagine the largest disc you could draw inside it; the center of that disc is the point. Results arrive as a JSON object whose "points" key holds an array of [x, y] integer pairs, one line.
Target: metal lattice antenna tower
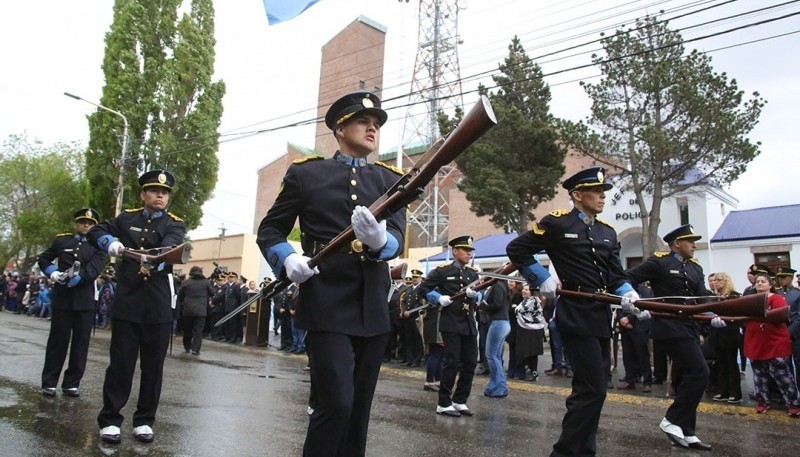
{"points": [[435, 87]]}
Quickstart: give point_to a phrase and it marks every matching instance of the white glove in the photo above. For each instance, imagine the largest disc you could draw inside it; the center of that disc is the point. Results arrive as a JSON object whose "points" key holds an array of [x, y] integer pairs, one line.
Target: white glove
{"points": [[471, 293], [58, 276], [115, 248], [445, 301], [643, 316], [717, 322], [368, 229], [297, 269], [548, 288], [628, 301]]}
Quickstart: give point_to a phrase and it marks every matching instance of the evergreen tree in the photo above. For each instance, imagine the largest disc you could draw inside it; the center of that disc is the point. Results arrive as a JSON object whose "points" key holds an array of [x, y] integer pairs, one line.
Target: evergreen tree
{"points": [[517, 164], [158, 70], [665, 119]]}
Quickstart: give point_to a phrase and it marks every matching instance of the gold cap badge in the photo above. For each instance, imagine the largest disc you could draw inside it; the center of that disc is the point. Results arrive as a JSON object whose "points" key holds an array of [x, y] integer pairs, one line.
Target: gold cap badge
{"points": [[88, 213], [162, 178], [600, 176], [367, 103]]}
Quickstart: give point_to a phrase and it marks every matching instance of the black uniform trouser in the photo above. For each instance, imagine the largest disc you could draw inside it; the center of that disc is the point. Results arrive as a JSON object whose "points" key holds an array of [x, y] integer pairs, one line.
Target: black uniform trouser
{"points": [[659, 361], [128, 341], [344, 372], [193, 332], [687, 356], [286, 330], [233, 328], [68, 329], [591, 362], [460, 358], [414, 348], [217, 332], [636, 357]]}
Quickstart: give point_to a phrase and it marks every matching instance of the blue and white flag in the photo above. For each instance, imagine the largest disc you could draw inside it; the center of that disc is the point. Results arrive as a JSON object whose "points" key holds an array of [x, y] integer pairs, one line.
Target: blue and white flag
{"points": [[283, 10]]}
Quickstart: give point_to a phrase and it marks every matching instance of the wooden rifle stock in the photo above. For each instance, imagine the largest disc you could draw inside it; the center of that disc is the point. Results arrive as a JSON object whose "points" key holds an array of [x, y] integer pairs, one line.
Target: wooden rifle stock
{"points": [[747, 306], [399, 271], [173, 255], [774, 316]]}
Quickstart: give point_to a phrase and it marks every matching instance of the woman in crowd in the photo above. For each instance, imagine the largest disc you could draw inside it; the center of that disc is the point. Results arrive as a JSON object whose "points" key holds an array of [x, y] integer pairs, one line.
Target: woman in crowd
{"points": [[529, 342], [726, 347], [496, 305], [193, 297], [769, 349]]}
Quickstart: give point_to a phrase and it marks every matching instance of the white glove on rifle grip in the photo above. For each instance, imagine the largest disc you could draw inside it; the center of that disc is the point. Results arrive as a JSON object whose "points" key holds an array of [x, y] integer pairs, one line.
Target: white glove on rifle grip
{"points": [[717, 322], [115, 248], [367, 229], [628, 302], [548, 288], [445, 301], [643, 316], [58, 276], [471, 293], [297, 269]]}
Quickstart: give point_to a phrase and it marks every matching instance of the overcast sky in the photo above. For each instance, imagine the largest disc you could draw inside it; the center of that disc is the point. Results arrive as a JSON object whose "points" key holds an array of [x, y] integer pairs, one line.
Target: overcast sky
{"points": [[272, 74]]}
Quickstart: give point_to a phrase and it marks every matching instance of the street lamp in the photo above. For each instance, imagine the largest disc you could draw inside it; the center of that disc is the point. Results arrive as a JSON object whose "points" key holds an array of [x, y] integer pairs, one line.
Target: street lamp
{"points": [[120, 180]]}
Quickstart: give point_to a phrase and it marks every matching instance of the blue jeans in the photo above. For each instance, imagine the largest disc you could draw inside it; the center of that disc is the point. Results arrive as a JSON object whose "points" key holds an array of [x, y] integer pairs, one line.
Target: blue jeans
{"points": [[557, 348], [498, 331], [298, 337]]}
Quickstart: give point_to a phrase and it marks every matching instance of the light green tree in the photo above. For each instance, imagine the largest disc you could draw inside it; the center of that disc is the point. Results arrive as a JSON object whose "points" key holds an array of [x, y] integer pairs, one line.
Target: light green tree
{"points": [[664, 118], [42, 187], [158, 70]]}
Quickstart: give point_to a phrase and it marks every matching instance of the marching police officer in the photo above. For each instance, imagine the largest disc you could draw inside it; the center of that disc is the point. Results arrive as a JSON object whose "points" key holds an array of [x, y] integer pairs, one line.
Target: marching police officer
{"points": [[585, 253], [142, 311], [678, 273], [792, 295], [72, 303], [343, 303], [457, 325]]}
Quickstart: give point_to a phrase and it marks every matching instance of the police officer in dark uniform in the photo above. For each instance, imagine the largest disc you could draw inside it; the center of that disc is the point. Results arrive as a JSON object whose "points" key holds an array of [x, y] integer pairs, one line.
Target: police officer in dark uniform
{"points": [[785, 276], [142, 311], [457, 325], [585, 253], [678, 273], [230, 297], [343, 303], [72, 303], [409, 300], [395, 319]]}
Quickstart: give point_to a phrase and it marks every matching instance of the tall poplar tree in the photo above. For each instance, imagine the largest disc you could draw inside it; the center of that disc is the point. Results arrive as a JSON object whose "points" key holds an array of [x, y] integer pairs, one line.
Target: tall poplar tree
{"points": [[517, 164], [158, 70], [665, 118]]}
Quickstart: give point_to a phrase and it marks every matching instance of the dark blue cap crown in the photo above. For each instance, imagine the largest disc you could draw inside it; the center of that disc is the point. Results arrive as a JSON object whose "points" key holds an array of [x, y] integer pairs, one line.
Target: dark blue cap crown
{"points": [[590, 177], [157, 178], [684, 232], [461, 242], [357, 102], [87, 213]]}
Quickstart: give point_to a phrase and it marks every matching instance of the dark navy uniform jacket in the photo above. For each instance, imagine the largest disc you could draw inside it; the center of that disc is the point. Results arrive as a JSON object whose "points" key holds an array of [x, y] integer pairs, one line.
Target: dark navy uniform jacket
{"points": [[141, 298], [349, 295], [585, 254], [792, 296], [449, 279], [671, 275], [66, 249]]}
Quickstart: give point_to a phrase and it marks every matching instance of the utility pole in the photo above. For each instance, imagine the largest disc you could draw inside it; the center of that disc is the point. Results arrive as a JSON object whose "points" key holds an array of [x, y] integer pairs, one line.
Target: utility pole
{"points": [[121, 177]]}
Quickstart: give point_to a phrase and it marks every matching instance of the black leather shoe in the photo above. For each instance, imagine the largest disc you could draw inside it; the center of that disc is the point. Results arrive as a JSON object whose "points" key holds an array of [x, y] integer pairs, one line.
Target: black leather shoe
{"points": [[700, 446], [49, 391], [71, 392], [143, 433]]}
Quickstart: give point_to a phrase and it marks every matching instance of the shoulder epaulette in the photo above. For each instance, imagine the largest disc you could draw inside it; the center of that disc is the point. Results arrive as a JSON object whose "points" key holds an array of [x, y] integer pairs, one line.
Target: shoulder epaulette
{"points": [[472, 268], [695, 261], [133, 210], [661, 254], [559, 212], [445, 265], [303, 160], [603, 222], [64, 234], [536, 229], [174, 217], [391, 168]]}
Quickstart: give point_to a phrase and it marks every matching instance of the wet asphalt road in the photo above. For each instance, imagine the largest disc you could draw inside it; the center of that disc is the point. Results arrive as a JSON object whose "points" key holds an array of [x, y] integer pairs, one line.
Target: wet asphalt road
{"points": [[242, 401]]}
